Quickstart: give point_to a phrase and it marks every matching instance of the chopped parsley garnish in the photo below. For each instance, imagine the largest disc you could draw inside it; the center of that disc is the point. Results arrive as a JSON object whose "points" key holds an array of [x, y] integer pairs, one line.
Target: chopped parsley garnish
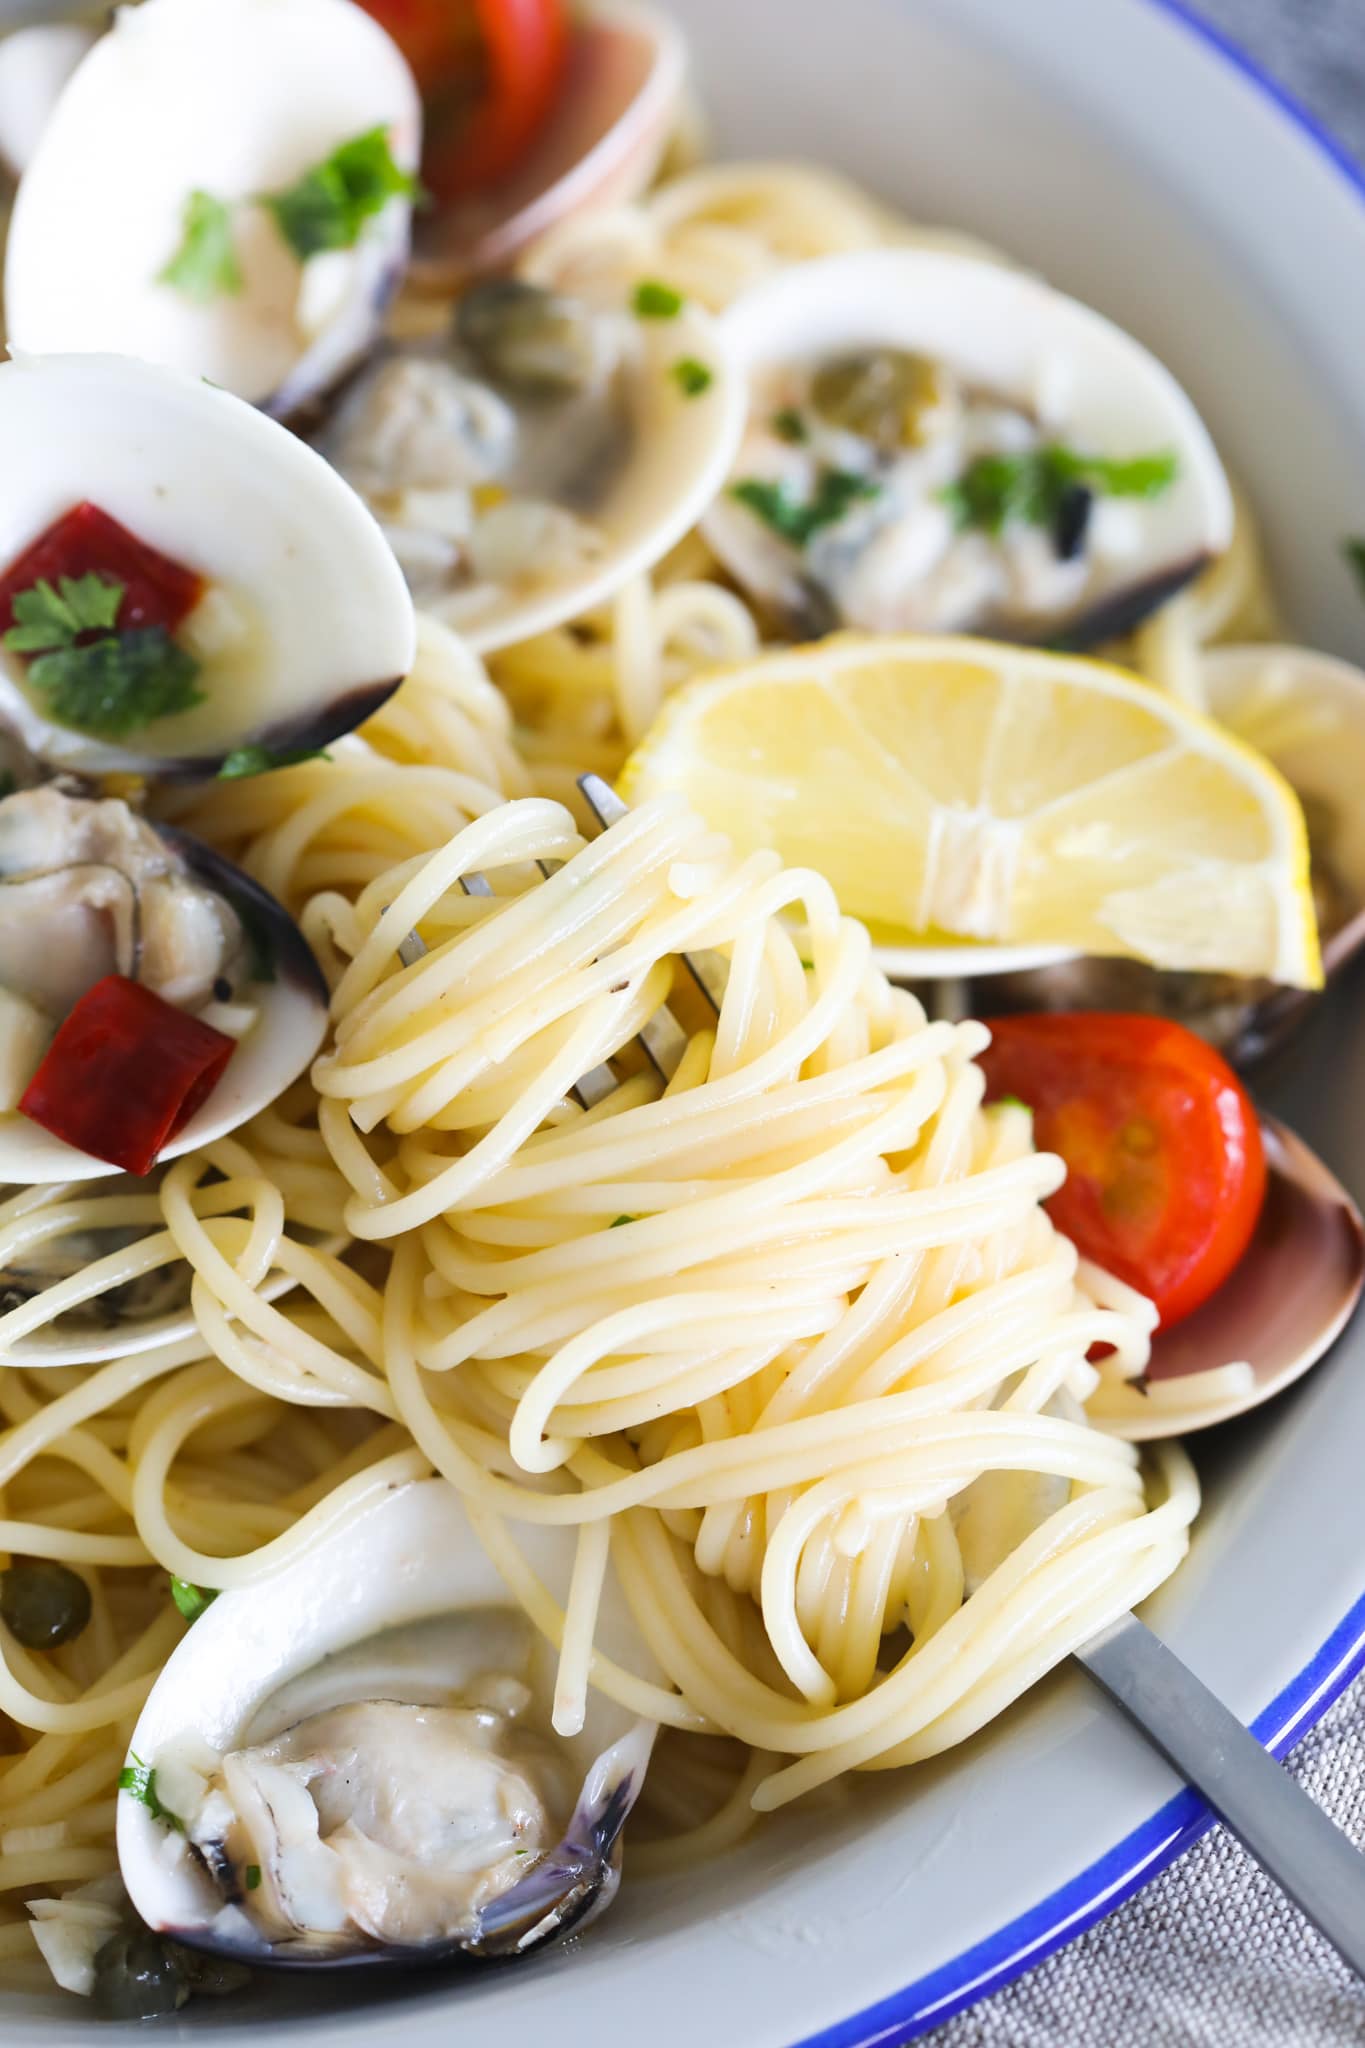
{"points": [[244, 761], [692, 377], [655, 301], [617, 1221], [789, 426], [1353, 547], [192, 1600], [109, 685], [796, 520], [253, 1877], [329, 206], [205, 265], [997, 491], [1011, 1102], [140, 1779]]}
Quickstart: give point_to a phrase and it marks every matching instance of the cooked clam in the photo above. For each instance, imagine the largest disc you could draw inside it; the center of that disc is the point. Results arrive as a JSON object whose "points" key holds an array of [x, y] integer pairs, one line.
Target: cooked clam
{"points": [[527, 465], [359, 1753], [225, 189], [180, 578], [89, 891], [623, 78], [937, 443], [35, 64]]}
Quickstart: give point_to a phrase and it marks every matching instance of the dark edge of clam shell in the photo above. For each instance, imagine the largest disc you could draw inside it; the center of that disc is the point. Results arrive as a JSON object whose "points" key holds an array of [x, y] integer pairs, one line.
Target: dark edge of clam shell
{"points": [[1117, 614], [317, 728], [270, 930]]}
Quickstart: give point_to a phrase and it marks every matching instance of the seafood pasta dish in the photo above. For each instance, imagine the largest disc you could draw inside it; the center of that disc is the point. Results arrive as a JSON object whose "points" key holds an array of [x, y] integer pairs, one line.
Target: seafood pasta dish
{"points": [[649, 816]]}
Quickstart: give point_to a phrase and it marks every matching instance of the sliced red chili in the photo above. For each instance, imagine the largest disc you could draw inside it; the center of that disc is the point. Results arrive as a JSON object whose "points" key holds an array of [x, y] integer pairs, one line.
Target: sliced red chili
{"points": [[125, 1072], [157, 591]]}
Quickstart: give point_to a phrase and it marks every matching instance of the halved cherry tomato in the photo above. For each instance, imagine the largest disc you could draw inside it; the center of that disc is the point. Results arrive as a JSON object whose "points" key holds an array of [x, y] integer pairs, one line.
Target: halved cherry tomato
{"points": [[157, 590], [1165, 1167], [488, 72]]}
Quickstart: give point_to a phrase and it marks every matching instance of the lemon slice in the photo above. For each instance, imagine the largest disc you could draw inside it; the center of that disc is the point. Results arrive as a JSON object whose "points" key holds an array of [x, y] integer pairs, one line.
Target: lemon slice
{"points": [[963, 790]]}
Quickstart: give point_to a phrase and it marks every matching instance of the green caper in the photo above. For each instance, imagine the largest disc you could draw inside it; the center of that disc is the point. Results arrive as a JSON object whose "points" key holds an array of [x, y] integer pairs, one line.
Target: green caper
{"points": [[43, 1603], [529, 339], [138, 1976], [884, 395]]}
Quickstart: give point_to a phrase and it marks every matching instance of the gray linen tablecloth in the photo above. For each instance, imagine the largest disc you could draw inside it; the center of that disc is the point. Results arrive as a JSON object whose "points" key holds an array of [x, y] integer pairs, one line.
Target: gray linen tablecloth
{"points": [[1210, 1955]]}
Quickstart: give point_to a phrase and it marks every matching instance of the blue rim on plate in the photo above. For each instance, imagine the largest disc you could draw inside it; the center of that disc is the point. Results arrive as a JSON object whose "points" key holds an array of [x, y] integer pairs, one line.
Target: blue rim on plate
{"points": [[1178, 1825]]}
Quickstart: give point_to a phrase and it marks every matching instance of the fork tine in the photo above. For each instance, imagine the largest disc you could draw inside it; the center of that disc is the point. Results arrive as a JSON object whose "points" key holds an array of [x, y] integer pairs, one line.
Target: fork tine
{"points": [[707, 969]]}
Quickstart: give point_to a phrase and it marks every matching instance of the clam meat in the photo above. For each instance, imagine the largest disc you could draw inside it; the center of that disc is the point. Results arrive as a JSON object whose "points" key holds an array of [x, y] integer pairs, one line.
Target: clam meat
{"points": [[525, 464], [939, 444]]}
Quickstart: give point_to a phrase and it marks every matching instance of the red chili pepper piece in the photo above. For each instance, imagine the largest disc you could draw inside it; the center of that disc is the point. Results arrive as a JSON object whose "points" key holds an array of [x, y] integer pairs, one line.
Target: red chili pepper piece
{"points": [[125, 1072], [157, 591]]}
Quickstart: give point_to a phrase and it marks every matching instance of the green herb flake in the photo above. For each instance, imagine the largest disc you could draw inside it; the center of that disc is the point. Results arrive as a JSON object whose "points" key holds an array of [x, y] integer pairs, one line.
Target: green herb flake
{"points": [[808, 965], [1353, 548], [253, 1877], [329, 206], [692, 377], [656, 301], [997, 491], [1011, 1102], [192, 1600], [244, 761], [205, 265], [139, 1779], [108, 686], [789, 426], [797, 521], [617, 1221]]}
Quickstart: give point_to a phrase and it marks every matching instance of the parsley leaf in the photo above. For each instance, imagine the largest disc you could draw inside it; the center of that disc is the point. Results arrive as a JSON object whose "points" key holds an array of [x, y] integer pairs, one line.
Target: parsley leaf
{"points": [[205, 265], [329, 206], [243, 761], [655, 301], [835, 491], [253, 1877], [692, 377], [617, 1221], [997, 491], [51, 617], [1011, 1102], [118, 684], [789, 426], [1354, 550], [192, 1600], [140, 1779]]}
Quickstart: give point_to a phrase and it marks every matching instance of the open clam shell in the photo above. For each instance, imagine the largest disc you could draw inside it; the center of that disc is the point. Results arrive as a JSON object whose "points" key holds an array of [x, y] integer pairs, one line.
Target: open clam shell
{"points": [[230, 100], [287, 988], [304, 624], [1291, 1296], [623, 77], [998, 367], [400, 1605]]}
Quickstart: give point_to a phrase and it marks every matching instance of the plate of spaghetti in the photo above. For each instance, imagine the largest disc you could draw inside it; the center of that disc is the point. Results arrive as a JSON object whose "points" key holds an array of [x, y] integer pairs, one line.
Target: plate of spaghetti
{"points": [[679, 869]]}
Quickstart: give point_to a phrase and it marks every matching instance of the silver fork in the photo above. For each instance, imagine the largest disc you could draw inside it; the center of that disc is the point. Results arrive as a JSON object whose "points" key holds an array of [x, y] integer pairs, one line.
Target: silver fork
{"points": [[1292, 1839]]}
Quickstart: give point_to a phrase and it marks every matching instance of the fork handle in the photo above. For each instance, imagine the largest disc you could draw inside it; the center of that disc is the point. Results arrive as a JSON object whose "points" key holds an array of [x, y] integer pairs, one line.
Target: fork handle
{"points": [[1292, 1839]]}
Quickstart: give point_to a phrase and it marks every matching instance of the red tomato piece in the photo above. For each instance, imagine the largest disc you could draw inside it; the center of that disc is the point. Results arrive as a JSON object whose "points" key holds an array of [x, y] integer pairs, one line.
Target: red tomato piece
{"points": [[489, 72], [157, 591], [125, 1072], [1165, 1167]]}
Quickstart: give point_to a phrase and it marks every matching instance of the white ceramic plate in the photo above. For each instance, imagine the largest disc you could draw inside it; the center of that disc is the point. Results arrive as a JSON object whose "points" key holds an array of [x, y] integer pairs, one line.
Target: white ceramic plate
{"points": [[1144, 169]]}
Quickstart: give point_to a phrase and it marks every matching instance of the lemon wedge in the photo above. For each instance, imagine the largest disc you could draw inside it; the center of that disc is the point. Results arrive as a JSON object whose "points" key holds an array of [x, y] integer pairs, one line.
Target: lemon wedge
{"points": [[966, 790]]}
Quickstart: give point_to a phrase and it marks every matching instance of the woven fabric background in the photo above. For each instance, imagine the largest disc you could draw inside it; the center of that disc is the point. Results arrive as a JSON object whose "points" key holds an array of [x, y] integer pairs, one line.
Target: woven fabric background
{"points": [[1210, 1955]]}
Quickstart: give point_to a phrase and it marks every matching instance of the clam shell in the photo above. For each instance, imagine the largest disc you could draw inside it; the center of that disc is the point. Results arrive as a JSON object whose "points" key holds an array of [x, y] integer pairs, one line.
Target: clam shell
{"points": [[409, 1556]]}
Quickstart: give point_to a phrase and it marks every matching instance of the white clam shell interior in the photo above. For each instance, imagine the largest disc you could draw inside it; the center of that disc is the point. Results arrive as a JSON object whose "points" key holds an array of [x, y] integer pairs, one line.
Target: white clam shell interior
{"points": [[1008, 333], [681, 452], [329, 625], [408, 1556], [230, 97]]}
